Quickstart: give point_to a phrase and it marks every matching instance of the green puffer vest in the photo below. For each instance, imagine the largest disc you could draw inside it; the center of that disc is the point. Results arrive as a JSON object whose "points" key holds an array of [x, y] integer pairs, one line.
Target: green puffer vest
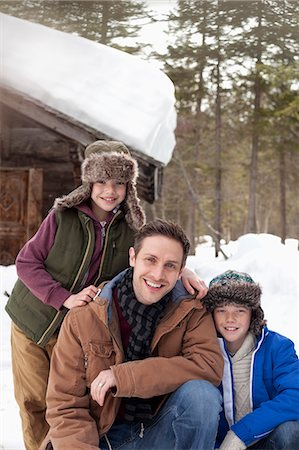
{"points": [[68, 262]]}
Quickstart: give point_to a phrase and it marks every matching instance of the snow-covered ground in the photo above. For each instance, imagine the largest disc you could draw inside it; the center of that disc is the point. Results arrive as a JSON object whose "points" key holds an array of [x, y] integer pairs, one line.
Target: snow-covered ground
{"points": [[274, 265]]}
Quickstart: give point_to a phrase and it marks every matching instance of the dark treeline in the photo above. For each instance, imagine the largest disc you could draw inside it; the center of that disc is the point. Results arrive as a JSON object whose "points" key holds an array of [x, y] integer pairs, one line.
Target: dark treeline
{"points": [[236, 73]]}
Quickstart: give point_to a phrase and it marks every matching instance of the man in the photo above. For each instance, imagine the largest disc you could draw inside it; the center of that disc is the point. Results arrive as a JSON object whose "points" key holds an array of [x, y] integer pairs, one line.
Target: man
{"points": [[137, 367]]}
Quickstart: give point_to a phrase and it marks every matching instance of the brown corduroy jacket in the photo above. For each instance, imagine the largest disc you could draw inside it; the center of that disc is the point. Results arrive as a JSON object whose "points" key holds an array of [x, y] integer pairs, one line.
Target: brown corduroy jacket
{"points": [[184, 347]]}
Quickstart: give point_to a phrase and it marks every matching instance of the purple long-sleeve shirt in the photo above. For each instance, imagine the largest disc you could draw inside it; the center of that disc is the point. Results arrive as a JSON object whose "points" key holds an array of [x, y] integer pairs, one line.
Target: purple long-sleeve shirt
{"points": [[30, 260]]}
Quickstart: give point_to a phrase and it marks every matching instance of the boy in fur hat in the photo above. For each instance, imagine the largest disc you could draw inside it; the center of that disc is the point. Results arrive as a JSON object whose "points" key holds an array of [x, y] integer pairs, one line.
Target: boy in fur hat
{"points": [[260, 385], [83, 241]]}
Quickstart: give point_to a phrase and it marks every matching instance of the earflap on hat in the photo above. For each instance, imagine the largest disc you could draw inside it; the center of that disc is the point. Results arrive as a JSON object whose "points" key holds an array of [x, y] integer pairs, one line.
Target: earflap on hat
{"points": [[74, 198], [238, 288], [135, 215], [257, 321]]}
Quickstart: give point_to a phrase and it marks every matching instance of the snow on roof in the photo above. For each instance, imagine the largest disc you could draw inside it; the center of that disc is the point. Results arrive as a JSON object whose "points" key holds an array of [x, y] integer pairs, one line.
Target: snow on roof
{"points": [[109, 90]]}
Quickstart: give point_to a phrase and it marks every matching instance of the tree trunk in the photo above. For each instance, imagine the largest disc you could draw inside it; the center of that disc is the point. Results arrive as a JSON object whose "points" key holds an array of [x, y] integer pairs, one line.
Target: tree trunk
{"points": [[218, 171], [282, 185], [282, 173], [105, 20], [251, 220], [196, 153]]}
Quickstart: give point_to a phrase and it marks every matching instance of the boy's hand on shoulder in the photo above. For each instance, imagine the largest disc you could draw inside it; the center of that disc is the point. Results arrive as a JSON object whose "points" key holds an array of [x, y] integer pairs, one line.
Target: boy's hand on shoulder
{"points": [[193, 283], [101, 385], [81, 298]]}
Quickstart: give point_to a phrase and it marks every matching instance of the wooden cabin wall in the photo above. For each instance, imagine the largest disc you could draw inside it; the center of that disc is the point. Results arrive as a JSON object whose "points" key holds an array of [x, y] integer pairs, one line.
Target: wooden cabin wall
{"points": [[24, 143]]}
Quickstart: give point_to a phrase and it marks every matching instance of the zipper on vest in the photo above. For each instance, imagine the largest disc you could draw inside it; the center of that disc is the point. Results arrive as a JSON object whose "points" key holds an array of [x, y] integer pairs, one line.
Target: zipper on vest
{"points": [[84, 258], [51, 328], [103, 233], [105, 246], [85, 360], [55, 322]]}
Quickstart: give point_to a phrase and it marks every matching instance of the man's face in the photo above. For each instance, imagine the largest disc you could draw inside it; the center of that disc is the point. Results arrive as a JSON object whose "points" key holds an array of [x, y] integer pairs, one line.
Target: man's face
{"points": [[157, 267]]}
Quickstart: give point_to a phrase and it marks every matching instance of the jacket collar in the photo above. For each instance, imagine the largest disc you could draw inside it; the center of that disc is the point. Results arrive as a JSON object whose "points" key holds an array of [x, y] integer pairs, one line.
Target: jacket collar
{"points": [[179, 293]]}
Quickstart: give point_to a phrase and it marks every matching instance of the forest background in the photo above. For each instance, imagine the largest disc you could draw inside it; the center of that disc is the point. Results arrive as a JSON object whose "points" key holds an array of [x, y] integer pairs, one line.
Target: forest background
{"points": [[235, 67]]}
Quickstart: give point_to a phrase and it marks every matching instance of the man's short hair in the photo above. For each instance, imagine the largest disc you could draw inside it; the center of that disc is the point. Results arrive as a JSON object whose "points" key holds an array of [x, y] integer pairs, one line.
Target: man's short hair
{"points": [[159, 227]]}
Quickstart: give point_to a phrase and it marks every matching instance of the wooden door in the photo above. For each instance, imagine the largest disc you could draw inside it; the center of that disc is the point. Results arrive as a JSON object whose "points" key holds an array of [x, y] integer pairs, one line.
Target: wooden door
{"points": [[20, 209]]}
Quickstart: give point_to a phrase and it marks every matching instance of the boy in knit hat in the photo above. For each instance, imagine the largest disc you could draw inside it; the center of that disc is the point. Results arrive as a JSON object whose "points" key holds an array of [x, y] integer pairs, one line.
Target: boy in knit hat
{"points": [[83, 241], [260, 385]]}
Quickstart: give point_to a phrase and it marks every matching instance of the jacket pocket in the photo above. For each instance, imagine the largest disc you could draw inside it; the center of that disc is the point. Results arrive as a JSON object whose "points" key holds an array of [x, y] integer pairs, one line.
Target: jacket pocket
{"points": [[98, 356], [101, 349]]}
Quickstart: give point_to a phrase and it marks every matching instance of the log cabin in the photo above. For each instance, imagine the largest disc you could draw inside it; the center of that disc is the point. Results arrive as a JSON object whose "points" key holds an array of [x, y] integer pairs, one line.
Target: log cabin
{"points": [[43, 133]]}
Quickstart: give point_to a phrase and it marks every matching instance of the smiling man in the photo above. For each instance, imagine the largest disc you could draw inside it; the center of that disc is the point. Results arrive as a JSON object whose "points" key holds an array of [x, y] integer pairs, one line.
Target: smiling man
{"points": [[137, 367]]}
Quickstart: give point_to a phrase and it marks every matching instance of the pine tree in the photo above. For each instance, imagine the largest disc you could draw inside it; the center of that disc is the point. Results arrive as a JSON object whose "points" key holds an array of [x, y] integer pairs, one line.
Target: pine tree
{"points": [[216, 61], [107, 22]]}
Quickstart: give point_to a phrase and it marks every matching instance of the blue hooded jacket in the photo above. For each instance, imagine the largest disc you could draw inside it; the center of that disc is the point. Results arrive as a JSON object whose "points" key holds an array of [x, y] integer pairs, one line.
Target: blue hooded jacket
{"points": [[274, 389]]}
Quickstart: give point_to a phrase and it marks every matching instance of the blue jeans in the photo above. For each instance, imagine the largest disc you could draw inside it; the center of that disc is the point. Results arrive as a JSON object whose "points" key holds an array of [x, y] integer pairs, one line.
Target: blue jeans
{"points": [[284, 437], [187, 421]]}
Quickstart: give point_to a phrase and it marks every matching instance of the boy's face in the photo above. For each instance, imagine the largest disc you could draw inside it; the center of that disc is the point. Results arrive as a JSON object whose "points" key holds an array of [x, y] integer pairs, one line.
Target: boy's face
{"points": [[157, 267], [232, 322], [105, 196]]}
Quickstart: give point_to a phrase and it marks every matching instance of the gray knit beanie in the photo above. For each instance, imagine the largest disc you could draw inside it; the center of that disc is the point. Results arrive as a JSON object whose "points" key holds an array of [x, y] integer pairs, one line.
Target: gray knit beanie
{"points": [[106, 160], [236, 287]]}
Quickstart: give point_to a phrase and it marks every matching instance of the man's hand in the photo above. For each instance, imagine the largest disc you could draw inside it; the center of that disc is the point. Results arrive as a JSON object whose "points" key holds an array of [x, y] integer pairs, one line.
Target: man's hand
{"points": [[101, 384], [82, 298], [192, 282]]}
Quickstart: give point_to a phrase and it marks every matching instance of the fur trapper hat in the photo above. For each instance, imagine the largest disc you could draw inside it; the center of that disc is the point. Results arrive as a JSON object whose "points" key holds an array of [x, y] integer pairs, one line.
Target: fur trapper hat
{"points": [[108, 160], [236, 287]]}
